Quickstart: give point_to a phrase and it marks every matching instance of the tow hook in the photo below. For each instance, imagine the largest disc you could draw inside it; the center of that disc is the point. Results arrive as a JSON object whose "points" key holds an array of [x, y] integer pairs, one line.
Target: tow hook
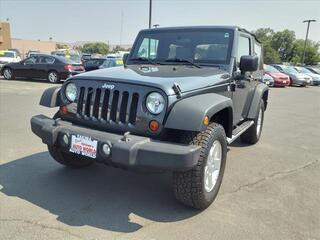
{"points": [[125, 137]]}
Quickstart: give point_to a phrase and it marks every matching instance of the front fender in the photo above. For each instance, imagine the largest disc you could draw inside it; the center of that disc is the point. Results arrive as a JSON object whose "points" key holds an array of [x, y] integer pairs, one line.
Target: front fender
{"points": [[258, 94], [188, 114], [51, 97]]}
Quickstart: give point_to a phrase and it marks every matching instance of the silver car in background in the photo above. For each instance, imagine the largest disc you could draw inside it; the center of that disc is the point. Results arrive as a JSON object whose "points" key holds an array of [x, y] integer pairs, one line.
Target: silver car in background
{"points": [[315, 77], [296, 78]]}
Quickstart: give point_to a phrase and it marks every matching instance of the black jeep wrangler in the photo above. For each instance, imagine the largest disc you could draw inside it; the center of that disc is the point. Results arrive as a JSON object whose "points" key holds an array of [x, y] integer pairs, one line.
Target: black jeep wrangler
{"points": [[182, 96]]}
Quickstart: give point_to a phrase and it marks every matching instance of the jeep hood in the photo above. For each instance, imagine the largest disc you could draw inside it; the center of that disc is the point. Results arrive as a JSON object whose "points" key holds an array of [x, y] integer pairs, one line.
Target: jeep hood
{"points": [[160, 76]]}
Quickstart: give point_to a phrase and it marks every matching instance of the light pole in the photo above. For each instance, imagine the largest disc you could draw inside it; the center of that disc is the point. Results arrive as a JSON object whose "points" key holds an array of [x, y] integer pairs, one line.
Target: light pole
{"points": [[305, 42], [150, 12]]}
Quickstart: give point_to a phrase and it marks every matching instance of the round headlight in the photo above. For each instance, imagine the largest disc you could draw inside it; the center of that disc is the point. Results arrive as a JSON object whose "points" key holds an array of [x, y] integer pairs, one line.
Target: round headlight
{"points": [[155, 103], [71, 92]]}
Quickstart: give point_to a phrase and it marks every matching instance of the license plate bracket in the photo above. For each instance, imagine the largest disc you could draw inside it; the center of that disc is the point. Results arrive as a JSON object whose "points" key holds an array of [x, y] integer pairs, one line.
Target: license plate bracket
{"points": [[83, 145]]}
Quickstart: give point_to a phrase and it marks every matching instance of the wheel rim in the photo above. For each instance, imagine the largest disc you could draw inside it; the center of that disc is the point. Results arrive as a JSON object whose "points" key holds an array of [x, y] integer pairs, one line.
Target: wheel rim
{"points": [[259, 122], [7, 73], [213, 166], [53, 77]]}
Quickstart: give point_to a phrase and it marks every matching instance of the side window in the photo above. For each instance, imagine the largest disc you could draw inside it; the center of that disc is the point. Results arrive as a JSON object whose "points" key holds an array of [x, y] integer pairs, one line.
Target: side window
{"points": [[31, 60], [243, 47], [258, 52], [46, 60], [89, 62], [148, 48]]}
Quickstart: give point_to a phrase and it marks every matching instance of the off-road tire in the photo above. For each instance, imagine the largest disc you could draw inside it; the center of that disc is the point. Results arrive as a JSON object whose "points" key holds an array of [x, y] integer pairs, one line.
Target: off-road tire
{"points": [[68, 159], [251, 136], [189, 185], [6, 76]]}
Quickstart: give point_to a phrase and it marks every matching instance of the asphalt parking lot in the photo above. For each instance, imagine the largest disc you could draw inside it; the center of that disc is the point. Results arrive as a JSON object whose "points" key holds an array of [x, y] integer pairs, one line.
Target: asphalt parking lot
{"points": [[270, 190]]}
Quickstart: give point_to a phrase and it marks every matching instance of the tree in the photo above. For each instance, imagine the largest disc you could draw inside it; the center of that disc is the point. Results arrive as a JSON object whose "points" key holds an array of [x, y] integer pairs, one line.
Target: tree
{"points": [[270, 55], [118, 48], [265, 35], [312, 52], [61, 46], [283, 43], [283, 46], [96, 47]]}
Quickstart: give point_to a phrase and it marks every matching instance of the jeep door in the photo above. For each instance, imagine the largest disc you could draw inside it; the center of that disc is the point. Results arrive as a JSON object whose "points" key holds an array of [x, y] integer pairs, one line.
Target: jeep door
{"points": [[244, 82]]}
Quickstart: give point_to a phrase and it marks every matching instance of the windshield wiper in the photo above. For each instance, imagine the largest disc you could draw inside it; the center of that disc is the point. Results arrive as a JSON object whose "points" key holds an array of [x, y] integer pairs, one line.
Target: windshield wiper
{"points": [[180, 60], [143, 59]]}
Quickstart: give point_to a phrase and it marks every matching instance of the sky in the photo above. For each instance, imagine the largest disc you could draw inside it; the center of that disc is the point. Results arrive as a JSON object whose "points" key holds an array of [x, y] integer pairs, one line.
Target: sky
{"points": [[102, 20]]}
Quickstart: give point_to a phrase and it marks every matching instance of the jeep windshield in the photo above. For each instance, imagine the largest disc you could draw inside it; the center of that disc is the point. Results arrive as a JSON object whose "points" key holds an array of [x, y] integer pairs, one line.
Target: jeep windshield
{"points": [[183, 46]]}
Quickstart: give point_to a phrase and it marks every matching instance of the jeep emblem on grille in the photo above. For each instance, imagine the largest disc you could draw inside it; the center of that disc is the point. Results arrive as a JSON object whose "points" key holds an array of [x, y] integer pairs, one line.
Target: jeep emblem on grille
{"points": [[108, 86]]}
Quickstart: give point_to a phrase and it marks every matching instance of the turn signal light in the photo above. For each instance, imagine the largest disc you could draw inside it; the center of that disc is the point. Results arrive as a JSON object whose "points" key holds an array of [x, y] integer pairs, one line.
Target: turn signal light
{"points": [[64, 109], [153, 125], [206, 120]]}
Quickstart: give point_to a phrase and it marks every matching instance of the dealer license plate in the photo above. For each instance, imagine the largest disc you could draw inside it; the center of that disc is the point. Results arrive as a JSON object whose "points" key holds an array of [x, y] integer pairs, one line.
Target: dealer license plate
{"points": [[83, 145], [284, 81]]}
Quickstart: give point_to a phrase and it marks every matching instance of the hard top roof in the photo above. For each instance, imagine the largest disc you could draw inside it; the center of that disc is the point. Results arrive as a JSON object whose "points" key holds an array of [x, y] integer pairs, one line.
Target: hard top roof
{"points": [[235, 28]]}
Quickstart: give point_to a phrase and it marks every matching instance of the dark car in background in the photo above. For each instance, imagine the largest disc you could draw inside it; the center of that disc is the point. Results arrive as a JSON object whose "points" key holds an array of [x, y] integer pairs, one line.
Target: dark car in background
{"points": [[268, 80], [85, 57], [280, 79], [42, 66], [112, 62], [93, 64], [296, 78]]}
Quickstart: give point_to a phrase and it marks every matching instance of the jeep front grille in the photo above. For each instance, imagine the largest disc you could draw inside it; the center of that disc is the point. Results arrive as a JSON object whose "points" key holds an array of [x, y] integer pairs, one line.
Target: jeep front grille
{"points": [[108, 105]]}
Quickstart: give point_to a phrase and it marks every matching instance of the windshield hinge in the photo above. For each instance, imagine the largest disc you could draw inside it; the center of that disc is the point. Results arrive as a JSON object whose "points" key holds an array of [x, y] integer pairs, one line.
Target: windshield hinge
{"points": [[177, 90]]}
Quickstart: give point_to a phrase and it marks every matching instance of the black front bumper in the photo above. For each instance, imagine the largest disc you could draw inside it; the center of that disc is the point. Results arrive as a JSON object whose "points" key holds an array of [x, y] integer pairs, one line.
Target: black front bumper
{"points": [[135, 151]]}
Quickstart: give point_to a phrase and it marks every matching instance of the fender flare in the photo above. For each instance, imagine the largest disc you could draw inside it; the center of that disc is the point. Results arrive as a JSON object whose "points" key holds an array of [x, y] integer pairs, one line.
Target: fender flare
{"points": [[51, 97], [188, 114], [259, 93]]}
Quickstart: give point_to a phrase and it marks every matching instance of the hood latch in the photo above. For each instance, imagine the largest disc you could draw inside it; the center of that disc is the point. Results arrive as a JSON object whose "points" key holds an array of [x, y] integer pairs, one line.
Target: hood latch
{"points": [[177, 90]]}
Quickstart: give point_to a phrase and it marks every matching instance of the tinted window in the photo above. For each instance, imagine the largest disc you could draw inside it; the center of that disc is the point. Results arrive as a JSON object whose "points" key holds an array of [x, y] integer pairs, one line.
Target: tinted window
{"points": [[243, 47], [89, 62], [31, 60], [46, 60]]}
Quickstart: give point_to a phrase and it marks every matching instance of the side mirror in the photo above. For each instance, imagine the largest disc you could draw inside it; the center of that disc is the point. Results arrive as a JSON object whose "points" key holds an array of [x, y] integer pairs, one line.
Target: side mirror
{"points": [[249, 63], [125, 58]]}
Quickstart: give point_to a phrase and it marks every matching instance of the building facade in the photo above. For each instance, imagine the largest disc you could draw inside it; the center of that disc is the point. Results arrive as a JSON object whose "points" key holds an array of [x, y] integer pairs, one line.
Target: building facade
{"points": [[5, 36]]}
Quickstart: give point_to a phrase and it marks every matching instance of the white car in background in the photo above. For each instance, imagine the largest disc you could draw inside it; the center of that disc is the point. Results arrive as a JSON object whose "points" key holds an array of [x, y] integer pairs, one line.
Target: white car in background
{"points": [[315, 77], [8, 57]]}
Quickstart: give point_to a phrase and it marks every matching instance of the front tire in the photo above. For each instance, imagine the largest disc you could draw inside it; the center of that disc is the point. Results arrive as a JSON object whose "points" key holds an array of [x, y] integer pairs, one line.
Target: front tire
{"points": [[8, 73], [199, 186], [53, 77], [252, 135]]}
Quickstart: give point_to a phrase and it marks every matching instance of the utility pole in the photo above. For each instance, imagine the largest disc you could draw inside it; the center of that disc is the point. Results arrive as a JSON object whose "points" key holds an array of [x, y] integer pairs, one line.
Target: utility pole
{"points": [[150, 12], [121, 28], [305, 42]]}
